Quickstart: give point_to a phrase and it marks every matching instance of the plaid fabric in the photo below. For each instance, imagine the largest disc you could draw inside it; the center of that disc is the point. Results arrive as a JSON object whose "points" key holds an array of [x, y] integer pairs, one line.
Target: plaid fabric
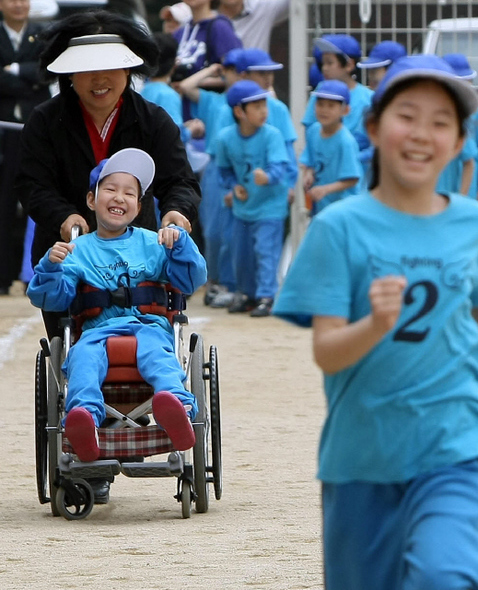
{"points": [[129, 442], [125, 393]]}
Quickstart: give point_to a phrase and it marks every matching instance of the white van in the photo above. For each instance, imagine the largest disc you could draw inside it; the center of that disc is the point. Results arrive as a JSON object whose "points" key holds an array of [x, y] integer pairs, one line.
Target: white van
{"points": [[453, 35]]}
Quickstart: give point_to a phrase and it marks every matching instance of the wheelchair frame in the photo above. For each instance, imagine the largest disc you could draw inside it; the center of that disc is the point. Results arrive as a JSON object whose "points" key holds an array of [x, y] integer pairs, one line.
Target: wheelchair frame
{"points": [[62, 478]]}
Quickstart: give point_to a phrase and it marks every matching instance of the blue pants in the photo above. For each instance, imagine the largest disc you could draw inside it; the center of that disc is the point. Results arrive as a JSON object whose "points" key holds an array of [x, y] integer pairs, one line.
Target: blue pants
{"points": [[226, 269], [420, 535], [87, 365], [256, 251]]}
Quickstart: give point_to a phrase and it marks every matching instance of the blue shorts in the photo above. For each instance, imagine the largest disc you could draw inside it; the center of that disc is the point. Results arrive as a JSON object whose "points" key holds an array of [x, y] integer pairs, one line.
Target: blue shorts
{"points": [[419, 535]]}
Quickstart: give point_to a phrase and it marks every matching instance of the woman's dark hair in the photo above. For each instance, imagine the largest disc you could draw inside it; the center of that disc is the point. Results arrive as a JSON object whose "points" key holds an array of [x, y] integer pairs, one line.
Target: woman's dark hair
{"points": [[167, 48], [57, 36], [378, 108]]}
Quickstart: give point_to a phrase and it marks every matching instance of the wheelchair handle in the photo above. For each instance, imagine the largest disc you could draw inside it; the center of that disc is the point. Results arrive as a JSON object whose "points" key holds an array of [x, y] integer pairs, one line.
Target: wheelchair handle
{"points": [[75, 232]]}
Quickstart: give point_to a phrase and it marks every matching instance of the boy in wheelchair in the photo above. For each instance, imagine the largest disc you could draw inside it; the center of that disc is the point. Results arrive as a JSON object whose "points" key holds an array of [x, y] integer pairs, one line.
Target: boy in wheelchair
{"points": [[115, 260]]}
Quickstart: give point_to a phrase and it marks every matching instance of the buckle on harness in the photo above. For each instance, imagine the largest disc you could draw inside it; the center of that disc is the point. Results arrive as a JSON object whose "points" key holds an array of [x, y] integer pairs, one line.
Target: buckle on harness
{"points": [[122, 297]]}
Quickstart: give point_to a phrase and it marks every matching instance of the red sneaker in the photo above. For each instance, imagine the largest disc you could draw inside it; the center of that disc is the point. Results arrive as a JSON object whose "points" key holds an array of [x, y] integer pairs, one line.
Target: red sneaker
{"points": [[170, 414], [80, 430]]}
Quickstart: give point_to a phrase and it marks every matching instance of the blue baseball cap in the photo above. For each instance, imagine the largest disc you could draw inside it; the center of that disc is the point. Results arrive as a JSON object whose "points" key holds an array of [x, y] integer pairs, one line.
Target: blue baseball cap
{"points": [[131, 161], [333, 90], [341, 44], [232, 57], [245, 91], [428, 67], [253, 59], [383, 54], [460, 65]]}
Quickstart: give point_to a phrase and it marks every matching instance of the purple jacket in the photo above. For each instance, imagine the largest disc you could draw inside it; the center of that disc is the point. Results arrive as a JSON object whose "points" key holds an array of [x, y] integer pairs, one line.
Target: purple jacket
{"points": [[206, 42]]}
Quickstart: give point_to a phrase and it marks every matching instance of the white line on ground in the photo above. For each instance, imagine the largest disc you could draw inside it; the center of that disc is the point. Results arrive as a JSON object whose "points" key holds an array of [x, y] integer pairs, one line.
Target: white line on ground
{"points": [[7, 342]]}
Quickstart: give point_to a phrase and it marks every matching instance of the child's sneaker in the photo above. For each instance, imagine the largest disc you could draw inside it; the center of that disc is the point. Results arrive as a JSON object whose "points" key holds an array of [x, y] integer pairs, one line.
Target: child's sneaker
{"points": [[241, 303], [211, 292], [263, 308], [222, 299], [171, 415], [80, 430]]}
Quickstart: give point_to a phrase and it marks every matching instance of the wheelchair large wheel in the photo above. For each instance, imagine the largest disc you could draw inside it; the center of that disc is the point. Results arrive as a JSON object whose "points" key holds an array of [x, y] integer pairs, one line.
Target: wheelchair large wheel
{"points": [[200, 450], [54, 440], [75, 499], [41, 437], [215, 422]]}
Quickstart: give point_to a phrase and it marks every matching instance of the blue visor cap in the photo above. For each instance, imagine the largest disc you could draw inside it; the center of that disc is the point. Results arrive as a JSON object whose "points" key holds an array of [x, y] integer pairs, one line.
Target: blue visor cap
{"points": [[383, 54], [460, 65], [333, 90], [130, 161], [341, 44], [428, 67], [245, 91], [232, 58], [253, 59]]}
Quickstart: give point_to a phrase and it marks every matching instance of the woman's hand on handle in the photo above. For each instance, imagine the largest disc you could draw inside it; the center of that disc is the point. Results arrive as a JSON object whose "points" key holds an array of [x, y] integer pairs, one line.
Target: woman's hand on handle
{"points": [[176, 218], [70, 221]]}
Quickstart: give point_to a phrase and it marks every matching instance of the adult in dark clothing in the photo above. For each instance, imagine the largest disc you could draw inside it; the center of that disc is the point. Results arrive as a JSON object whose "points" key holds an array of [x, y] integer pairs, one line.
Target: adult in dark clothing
{"points": [[95, 115], [20, 91]]}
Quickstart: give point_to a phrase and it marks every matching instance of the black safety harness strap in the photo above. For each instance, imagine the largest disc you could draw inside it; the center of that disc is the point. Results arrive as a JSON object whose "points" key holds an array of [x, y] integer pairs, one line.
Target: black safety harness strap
{"points": [[128, 297]]}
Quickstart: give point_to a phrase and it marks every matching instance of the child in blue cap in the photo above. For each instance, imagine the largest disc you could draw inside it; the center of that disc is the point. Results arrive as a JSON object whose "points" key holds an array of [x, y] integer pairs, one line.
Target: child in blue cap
{"points": [[256, 65], [381, 57], [388, 280], [331, 155], [252, 161], [117, 256], [339, 57]]}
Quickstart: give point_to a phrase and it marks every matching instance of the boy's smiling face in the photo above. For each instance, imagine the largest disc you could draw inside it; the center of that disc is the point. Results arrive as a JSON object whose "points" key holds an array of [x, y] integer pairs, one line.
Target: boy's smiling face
{"points": [[116, 204]]}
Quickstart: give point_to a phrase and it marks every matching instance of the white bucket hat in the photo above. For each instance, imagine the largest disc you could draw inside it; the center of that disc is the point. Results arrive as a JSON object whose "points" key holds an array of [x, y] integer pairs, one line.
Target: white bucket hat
{"points": [[92, 53]]}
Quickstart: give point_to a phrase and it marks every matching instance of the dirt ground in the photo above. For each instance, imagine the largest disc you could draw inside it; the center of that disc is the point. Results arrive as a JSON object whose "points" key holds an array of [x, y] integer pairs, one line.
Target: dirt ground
{"points": [[263, 534]]}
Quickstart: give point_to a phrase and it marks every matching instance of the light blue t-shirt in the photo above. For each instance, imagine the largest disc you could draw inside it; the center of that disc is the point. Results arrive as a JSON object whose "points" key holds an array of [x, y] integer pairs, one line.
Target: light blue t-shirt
{"points": [[411, 404], [360, 101], [209, 105], [161, 94], [128, 260], [332, 158], [451, 177], [244, 154]]}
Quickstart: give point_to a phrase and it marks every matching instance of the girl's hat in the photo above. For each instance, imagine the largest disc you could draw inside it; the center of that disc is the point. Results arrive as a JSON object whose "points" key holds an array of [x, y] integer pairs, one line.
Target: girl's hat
{"points": [[130, 161], [333, 90], [92, 53], [460, 65], [383, 54], [428, 67], [245, 91], [341, 44]]}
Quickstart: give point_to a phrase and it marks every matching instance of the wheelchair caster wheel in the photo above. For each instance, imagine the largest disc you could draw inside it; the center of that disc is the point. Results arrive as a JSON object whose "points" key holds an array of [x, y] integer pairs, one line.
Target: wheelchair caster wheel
{"points": [[75, 499], [186, 499]]}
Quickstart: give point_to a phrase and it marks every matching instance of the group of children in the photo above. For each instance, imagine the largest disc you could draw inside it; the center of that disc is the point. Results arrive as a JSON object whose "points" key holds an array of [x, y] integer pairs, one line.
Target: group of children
{"points": [[336, 160]]}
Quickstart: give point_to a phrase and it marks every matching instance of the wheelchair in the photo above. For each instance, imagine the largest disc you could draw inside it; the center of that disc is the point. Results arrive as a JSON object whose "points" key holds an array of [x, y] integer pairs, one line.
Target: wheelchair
{"points": [[128, 444]]}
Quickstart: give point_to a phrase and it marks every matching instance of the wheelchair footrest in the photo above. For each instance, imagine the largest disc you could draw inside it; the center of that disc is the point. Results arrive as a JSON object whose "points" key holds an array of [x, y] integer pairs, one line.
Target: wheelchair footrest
{"points": [[96, 469], [172, 467]]}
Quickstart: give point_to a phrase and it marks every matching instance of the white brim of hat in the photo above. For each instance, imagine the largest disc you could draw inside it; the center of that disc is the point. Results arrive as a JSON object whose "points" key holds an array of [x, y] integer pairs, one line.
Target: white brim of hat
{"points": [[371, 63], [255, 97], [469, 76], [93, 53], [327, 46], [265, 68], [131, 161], [465, 93], [329, 96]]}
